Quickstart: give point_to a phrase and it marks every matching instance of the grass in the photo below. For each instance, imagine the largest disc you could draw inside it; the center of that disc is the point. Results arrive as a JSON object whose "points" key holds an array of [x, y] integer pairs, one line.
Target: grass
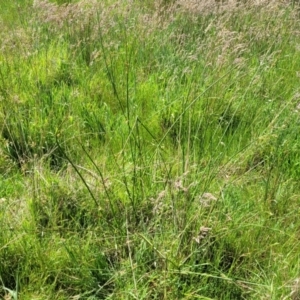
{"points": [[149, 150]]}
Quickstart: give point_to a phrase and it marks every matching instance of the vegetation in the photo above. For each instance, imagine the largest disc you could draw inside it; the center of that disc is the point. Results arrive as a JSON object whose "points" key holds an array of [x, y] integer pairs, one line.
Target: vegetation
{"points": [[149, 150]]}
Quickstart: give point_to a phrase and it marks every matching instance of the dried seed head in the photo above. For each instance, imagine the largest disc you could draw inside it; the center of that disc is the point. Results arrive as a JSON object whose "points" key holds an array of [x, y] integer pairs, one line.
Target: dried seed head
{"points": [[295, 289], [207, 199], [203, 232]]}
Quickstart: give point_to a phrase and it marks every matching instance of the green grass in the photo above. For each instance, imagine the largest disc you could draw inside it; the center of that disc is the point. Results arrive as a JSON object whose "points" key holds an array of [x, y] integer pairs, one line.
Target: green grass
{"points": [[149, 150]]}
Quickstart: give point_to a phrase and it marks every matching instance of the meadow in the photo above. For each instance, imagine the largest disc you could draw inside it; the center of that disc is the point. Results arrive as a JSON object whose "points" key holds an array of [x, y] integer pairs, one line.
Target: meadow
{"points": [[149, 149]]}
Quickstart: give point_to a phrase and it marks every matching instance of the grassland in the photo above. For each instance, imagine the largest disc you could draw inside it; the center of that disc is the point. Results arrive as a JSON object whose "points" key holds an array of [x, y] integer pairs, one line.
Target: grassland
{"points": [[149, 150]]}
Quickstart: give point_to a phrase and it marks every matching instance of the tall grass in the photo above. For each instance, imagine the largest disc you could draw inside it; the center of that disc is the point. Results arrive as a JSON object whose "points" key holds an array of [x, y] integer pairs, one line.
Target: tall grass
{"points": [[149, 150]]}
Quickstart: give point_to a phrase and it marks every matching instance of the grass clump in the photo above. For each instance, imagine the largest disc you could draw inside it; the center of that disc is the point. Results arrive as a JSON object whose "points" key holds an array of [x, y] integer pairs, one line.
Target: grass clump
{"points": [[149, 150]]}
